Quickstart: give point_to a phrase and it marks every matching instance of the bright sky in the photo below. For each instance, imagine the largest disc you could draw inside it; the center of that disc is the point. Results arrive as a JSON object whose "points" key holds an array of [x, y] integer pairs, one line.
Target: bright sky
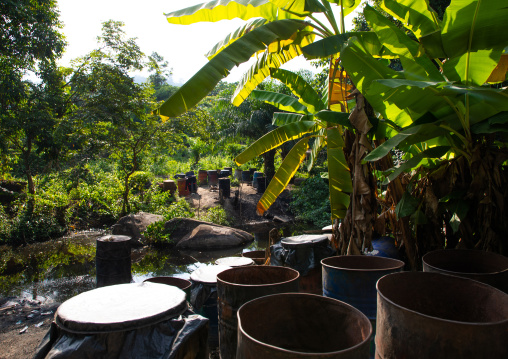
{"points": [[183, 46]]}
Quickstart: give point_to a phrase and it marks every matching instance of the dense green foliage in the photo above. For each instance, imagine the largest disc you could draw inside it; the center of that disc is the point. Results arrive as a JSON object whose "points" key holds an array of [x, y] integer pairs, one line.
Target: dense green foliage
{"points": [[311, 203]]}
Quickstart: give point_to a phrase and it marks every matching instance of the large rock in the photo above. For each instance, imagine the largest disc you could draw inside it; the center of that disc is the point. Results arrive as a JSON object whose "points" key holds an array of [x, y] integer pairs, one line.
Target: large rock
{"points": [[189, 233], [134, 225]]}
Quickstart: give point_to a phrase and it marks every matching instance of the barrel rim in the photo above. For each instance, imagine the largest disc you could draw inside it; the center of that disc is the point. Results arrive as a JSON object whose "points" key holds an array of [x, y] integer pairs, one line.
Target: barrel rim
{"points": [[474, 251], [319, 297], [485, 324], [397, 264], [187, 282], [259, 285]]}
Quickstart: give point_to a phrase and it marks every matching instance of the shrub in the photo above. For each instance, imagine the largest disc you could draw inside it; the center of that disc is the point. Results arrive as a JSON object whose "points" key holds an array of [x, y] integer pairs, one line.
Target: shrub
{"points": [[216, 215], [311, 202]]}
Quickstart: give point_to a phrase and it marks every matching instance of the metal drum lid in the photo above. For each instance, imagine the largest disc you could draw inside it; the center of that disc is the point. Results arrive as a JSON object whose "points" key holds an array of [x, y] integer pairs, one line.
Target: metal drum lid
{"points": [[304, 240], [235, 261], [121, 307], [208, 274]]}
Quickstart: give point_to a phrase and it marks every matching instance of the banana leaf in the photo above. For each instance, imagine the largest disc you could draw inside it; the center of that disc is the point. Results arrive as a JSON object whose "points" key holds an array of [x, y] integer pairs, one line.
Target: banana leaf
{"points": [[348, 5], [299, 7], [397, 42], [415, 14], [283, 118], [218, 68], [261, 70], [224, 10], [283, 175], [317, 145], [281, 101], [339, 177], [434, 152], [306, 94], [276, 138], [235, 35], [333, 117]]}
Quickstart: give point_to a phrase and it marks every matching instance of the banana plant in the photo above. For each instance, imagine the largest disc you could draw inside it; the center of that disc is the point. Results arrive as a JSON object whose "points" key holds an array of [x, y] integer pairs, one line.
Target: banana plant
{"points": [[275, 32], [308, 117], [447, 109]]}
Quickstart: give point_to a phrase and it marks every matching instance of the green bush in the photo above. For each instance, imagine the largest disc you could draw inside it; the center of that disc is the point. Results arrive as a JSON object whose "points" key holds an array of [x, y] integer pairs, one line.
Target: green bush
{"points": [[216, 215], [311, 203]]}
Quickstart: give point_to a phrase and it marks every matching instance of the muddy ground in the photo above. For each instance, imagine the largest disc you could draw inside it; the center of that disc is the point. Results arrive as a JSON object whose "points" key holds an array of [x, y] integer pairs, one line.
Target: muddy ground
{"points": [[24, 322]]}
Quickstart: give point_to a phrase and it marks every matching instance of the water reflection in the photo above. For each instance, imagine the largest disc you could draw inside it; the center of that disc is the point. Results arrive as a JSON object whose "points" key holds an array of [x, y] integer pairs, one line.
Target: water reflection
{"points": [[58, 270]]}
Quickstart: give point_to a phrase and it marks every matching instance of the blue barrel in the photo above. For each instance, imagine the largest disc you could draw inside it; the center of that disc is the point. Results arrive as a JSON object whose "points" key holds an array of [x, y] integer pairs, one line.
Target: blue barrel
{"points": [[384, 247], [255, 177], [352, 279]]}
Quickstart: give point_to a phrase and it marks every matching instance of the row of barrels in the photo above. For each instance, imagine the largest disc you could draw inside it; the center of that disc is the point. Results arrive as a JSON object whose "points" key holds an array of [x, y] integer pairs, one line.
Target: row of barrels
{"points": [[187, 183], [443, 312]]}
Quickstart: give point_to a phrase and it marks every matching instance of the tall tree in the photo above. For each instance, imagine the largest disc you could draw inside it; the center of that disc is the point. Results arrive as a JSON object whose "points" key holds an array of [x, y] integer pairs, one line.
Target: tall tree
{"points": [[31, 104]]}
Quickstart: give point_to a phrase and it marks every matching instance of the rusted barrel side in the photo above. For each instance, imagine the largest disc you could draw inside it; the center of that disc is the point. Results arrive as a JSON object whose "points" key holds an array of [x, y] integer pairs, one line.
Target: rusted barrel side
{"points": [[485, 267], [202, 177], [113, 260], [432, 315], [301, 326], [182, 187], [169, 185], [181, 283], [259, 257], [239, 285], [213, 178]]}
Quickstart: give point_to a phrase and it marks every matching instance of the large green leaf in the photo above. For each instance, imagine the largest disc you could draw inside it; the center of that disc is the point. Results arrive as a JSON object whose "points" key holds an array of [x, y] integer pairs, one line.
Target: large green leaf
{"points": [[283, 118], [348, 5], [276, 138], [317, 145], [217, 68], [433, 152], [494, 124], [472, 25], [333, 117], [281, 101], [406, 206], [472, 68], [339, 177], [235, 35], [260, 70], [224, 10], [283, 175], [415, 14], [363, 69], [300, 7], [398, 43], [306, 94], [333, 45]]}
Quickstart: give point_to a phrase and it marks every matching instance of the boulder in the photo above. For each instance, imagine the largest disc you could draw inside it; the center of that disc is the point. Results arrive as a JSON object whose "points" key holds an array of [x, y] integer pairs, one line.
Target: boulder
{"points": [[133, 225], [189, 233]]}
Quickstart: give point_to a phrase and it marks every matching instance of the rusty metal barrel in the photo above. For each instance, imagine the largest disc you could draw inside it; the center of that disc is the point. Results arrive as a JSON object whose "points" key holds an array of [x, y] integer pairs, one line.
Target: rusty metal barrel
{"points": [[182, 187], [302, 325], [259, 257], [213, 178], [239, 285], [181, 283], [202, 177], [113, 260], [433, 315], [485, 267], [169, 185]]}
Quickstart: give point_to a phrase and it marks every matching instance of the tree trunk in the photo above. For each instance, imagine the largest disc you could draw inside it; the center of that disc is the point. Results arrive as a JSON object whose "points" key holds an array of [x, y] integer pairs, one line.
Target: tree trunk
{"points": [[269, 164]]}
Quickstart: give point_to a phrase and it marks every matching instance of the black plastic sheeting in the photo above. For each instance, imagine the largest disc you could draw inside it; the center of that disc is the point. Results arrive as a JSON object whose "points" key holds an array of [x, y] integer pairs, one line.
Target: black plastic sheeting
{"points": [[302, 257], [202, 293], [161, 340]]}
